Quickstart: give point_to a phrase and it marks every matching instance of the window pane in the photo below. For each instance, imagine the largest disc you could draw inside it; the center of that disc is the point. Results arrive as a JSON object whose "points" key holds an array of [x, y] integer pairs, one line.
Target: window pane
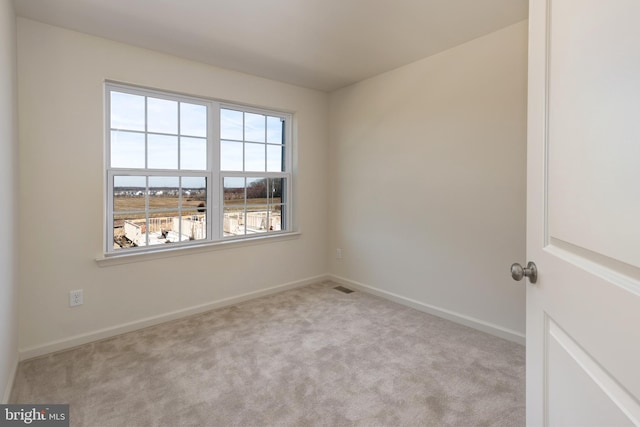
{"points": [[277, 188], [163, 192], [194, 193], [193, 226], [162, 152], [274, 130], [233, 222], [254, 127], [129, 230], [256, 190], [231, 156], [275, 218], [128, 193], [162, 116], [233, 191], [193, 153], [194, 183], [231, 124], [193, 119], [257, 219], [163, 228], [127, 150], [127, 111], [274, 158], [254, 157]]}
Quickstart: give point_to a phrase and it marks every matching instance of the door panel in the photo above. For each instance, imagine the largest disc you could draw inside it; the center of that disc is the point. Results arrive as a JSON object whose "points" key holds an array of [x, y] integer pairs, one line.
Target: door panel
{"points": [[593, 105], [583, 213], [574, 378]]}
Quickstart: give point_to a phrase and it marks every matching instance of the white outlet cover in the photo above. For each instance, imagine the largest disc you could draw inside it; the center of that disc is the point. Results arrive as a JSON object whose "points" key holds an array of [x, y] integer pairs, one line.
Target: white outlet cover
{"points": [[75, 298]]}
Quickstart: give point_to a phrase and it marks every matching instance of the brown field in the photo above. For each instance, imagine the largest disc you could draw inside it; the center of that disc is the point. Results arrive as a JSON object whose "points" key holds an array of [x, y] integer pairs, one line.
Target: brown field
{"points": [[189, 206], [169, 202]]}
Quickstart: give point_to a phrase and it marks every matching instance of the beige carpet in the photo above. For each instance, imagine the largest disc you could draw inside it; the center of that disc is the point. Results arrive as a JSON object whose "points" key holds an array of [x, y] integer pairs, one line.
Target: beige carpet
{"points": [[309, 356]]}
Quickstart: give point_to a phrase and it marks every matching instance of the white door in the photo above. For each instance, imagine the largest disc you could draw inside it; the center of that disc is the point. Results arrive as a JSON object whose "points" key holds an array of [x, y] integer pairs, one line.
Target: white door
{"points": [[583, 213]]}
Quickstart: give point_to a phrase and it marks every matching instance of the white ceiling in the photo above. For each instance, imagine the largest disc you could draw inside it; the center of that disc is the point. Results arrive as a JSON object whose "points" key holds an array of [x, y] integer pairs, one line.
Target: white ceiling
{"points": [[320, 44]]}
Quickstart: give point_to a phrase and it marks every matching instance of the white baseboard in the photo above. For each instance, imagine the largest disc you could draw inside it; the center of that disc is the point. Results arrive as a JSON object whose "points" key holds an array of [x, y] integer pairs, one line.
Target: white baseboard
{"points": [[74, 341], [462, 319], [12, 378]]}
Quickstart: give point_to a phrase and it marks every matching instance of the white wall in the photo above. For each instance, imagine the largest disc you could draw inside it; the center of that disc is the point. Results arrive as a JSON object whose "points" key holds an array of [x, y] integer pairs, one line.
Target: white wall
{"points": [[8, 206], [61, 75], [428, 181]]}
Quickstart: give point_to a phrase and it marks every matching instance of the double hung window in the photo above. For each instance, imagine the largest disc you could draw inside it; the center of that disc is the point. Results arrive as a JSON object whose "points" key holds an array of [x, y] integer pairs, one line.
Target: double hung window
{"points": [[182, 170]]}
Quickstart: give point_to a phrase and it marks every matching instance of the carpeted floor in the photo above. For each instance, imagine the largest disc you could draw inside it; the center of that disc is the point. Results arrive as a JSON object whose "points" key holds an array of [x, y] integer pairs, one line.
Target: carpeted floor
{"points": [[308, 356]]}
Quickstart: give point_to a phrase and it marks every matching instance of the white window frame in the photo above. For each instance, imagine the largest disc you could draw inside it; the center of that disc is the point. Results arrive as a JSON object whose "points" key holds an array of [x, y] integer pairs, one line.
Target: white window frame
{"points": [[214, 175]]}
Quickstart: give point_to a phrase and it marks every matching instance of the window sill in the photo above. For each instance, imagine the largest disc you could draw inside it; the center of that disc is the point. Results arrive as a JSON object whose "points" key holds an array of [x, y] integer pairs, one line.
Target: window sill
{"points": [[126, 258]]}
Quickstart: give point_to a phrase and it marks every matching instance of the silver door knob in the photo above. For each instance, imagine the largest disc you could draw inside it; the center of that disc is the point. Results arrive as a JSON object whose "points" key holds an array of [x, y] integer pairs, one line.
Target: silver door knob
{"points": [[531, 271]]}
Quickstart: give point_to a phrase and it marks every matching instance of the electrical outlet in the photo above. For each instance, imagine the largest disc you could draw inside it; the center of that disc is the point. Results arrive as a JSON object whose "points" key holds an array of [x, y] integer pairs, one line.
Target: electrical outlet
{"points": [[75, 298], [338, 253]]}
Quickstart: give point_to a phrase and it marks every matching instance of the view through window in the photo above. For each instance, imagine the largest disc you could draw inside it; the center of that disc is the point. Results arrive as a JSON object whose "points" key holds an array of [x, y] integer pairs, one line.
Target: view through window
{"points": [[183, 170]]}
